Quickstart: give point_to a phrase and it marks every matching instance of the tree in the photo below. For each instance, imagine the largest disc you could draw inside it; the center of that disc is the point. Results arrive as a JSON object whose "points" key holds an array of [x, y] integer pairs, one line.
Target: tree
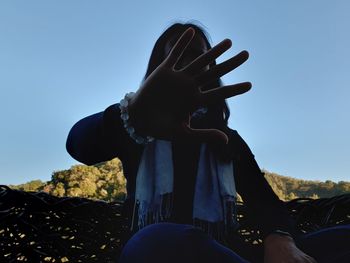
{"points": [[291, 196], [314, 196], [59, 190]]}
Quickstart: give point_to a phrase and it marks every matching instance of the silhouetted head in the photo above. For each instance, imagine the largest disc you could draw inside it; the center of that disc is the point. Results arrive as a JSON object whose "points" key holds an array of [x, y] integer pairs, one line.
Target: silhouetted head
{"points": [[167, 40], [218, 113]]}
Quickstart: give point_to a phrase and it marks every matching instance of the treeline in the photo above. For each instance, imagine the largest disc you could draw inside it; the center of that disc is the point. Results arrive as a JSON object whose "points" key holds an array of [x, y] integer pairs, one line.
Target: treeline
{"points": [[105, 181], [288, 188]]}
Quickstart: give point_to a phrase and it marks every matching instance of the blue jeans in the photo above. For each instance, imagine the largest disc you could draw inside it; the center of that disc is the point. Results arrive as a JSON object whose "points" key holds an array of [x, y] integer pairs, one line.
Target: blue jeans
{"points": [[167, 242], [329, 245]]}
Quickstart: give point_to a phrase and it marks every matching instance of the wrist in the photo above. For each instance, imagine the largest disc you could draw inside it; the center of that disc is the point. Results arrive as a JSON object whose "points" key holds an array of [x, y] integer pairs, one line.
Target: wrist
{"points": [[133, 113], [277, 236], [129, 116], [281, 233]]}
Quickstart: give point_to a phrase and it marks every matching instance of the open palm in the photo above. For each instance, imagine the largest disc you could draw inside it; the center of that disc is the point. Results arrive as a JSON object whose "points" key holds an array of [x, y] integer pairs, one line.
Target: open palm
{"points": [[162, 106]]}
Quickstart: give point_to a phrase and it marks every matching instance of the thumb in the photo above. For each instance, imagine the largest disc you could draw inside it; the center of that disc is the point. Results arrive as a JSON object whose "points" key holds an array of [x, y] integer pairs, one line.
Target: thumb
{"points": [[212, 136]]}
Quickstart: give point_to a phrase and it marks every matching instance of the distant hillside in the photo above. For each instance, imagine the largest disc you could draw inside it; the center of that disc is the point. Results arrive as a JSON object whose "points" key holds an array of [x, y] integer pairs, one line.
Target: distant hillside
{"points": [[288, 188], [105, 181]]}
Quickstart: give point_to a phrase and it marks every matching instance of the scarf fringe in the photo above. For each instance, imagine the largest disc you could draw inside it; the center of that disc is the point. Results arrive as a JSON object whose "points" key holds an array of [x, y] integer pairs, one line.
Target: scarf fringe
{"points": [[222, 229], [147, 214]]}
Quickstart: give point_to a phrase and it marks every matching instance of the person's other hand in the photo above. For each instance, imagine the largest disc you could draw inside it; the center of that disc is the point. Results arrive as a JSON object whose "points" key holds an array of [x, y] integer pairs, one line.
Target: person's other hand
{"points": [[162, 106], [282, 249]]}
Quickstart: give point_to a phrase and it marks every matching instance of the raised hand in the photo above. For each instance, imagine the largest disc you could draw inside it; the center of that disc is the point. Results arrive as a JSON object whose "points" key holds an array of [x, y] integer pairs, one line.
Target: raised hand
{"points": [[162, 106]]}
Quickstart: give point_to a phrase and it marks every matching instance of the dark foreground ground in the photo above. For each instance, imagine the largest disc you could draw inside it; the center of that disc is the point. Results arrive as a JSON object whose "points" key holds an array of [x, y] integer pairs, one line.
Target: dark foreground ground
{"points": [[37, 227]]}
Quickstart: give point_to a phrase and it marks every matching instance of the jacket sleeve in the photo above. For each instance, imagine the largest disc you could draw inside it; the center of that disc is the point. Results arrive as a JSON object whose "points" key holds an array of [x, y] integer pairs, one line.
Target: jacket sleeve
{"points": [[265, 209], [98, 137]]}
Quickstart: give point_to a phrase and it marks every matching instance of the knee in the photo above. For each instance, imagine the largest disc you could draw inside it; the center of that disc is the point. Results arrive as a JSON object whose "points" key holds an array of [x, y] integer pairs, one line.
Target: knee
{"points": [[163, 242]]}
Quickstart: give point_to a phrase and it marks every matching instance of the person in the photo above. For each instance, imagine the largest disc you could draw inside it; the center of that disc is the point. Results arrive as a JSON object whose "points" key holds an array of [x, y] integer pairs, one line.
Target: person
{"points": [[184, 166]]}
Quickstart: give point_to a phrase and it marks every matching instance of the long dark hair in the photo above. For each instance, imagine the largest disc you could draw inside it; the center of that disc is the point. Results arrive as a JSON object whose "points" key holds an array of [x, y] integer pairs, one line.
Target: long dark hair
{"points": [[218, 113]]}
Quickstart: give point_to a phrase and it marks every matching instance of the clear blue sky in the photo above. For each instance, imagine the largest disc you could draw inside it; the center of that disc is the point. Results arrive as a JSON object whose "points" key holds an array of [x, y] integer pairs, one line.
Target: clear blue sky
{"points": [[63, 60]]}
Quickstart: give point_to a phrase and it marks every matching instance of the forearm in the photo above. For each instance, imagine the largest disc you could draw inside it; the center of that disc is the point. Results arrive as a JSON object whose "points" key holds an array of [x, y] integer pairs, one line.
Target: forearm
{"points": [[268, 211], [98, 137], [264, 206]]}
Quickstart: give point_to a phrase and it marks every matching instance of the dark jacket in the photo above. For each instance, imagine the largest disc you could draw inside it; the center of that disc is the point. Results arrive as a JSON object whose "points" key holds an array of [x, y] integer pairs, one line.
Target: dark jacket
{"points": [[101, 137]]}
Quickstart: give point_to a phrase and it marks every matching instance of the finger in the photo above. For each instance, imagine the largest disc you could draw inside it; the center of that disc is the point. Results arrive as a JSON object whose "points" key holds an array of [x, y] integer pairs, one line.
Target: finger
{"points": [[179, 47], [222, 68], [208, 57], [201, 135], [220, 93]]}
